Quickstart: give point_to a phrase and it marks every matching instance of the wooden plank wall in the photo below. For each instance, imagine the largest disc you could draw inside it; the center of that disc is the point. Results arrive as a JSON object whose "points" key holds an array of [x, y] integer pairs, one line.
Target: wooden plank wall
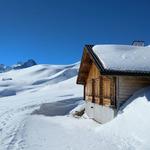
{"points": [[93, 74], [106, 91], [106, 87], [101, 85], [127, 85]]}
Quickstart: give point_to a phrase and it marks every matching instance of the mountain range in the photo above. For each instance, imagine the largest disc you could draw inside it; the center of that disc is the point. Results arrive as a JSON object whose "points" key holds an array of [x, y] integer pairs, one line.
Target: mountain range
{"points": [[19, 65]]}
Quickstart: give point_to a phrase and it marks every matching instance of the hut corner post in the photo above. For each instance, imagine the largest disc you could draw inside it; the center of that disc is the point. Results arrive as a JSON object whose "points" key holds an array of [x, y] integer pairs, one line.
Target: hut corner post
{"points": [[101, 90], [93, 91]]}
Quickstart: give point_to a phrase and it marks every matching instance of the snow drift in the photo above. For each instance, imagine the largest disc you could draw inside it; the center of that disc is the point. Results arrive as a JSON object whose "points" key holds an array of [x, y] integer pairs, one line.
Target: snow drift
{"points": [[130, 129]]}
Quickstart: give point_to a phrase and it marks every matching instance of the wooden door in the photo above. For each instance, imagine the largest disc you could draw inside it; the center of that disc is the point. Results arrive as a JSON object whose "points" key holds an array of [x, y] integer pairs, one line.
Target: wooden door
{"points": [[109, 91], [106, 91]]}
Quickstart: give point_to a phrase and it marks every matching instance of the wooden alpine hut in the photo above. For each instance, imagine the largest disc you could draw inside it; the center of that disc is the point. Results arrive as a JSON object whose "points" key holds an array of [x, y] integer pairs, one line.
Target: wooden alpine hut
{"points": [[111, 74]]}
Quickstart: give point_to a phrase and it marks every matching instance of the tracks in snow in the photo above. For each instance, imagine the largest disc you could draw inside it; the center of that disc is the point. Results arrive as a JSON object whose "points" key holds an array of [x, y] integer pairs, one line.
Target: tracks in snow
{"points": [[12, 124]]}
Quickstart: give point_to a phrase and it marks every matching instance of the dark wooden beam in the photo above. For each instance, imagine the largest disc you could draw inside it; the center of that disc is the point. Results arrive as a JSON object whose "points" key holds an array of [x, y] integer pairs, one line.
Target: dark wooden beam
{"points": [[93, 91], [101, 90]]}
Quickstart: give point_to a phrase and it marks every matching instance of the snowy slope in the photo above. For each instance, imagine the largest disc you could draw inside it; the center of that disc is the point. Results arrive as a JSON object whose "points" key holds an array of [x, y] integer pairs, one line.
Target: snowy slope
{"points": [[37, 116], [20, 97], [32, 77]]}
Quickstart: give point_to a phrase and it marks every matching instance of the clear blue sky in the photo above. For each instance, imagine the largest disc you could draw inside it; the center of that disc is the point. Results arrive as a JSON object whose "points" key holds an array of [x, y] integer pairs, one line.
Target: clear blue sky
{"points": [[55, 31]]}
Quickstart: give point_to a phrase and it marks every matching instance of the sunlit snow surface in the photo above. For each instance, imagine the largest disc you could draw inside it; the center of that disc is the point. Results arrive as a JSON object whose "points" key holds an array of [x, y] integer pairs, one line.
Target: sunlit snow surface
{"points": [[34, 114], [124, 57]]}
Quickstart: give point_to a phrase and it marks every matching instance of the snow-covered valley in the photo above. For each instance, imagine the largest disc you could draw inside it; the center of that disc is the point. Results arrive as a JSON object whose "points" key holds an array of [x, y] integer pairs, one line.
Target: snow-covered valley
{"points": [[34, 114]]}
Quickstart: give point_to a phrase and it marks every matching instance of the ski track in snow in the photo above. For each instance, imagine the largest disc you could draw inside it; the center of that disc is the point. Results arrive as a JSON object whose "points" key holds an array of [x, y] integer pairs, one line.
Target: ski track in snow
{"points": [[15, 110], [10, 130], [12, 125]]}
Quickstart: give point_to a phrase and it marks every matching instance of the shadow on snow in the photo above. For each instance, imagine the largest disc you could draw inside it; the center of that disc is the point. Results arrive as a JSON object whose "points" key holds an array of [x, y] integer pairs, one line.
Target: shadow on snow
{"points": [[59, 108]]}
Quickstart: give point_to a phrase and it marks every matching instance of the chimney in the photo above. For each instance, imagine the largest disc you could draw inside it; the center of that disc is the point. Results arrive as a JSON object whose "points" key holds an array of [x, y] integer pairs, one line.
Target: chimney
{"points": [[138, 43]]}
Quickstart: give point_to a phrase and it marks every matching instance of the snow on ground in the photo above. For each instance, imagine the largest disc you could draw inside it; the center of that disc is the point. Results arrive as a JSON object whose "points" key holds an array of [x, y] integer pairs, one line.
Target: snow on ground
{"points": [[130, 130], [16, 108], [38, 118]]}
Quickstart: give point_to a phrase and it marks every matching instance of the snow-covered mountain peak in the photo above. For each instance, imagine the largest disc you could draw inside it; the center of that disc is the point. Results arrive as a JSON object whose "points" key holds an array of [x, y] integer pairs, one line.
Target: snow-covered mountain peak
{"points": [[19, 65], [26, 64]]}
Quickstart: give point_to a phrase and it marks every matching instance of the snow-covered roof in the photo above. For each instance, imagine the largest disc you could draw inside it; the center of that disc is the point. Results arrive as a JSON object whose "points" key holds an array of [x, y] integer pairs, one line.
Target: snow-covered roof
{"points": [[123, 57]]}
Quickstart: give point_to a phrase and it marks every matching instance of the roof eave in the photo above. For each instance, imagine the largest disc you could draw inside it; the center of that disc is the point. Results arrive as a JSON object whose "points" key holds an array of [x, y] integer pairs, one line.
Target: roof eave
{"points": [[125, 73]]}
